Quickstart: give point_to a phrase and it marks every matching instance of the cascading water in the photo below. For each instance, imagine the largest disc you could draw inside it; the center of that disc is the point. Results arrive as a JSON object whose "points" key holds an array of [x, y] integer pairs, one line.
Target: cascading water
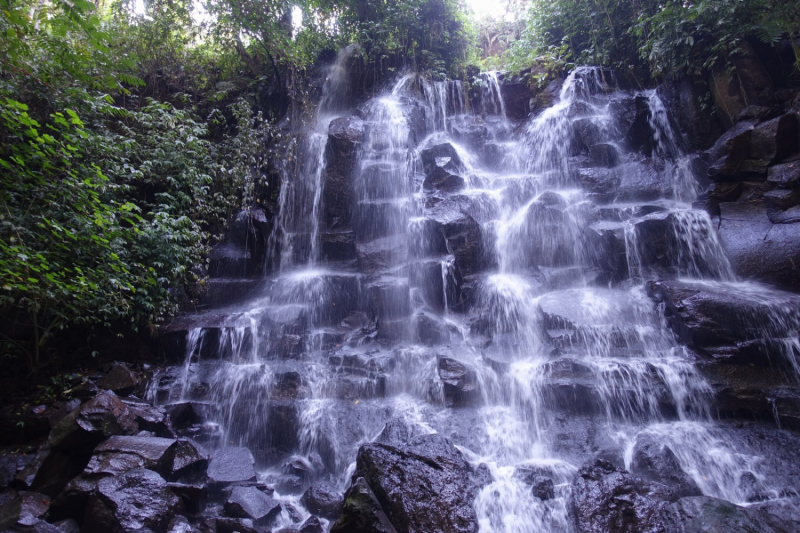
{"points": [[505, 261]]}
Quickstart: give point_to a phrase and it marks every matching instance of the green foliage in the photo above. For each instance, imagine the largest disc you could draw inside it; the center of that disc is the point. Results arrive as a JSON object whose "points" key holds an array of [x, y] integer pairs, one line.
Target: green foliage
{"points": [[108, 200], [665, 37], [435, 35]]}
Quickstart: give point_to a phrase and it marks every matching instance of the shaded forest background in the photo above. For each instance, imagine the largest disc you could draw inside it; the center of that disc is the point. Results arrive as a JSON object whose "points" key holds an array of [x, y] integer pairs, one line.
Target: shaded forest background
{"points": [[129, 136]]}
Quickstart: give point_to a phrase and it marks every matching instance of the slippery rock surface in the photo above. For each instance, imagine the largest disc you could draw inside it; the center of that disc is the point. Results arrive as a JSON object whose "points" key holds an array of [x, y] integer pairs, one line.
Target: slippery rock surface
{"points": [[425, 485], [362, 513], [131, 502], [230, 465], [249, 502], [607, 499]]}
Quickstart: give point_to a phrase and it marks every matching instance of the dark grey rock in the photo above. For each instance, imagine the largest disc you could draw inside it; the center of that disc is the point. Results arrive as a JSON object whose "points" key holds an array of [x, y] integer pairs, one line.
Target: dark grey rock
{"points": [[249, 502], [426, 485], [460, 382], [362, 513], [119, 379], [654, 460], [231, 465], [605, 498], [322, 499], [135, 501]]}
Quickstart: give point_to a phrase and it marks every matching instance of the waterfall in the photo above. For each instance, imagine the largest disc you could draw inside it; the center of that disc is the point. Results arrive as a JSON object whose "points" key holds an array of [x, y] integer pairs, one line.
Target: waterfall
{"points": [[515, 257]]}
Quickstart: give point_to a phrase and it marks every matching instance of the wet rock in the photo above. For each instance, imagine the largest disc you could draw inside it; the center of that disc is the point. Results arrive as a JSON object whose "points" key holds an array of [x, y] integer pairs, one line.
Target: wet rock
{"points": [[443, 181], [185, 414], [102, 417], [605, 498], [121, 379], [249, 502], [322, 499], [390, 298], [603, 155], [728, 154], [759, 249], [704, 513], [774, 140], [338, 246], [516, 97], [709, 317], [469, 130], [460, 382], [185, 461], [72, 440], [119, 454], [361, 512], [180, 524], [654, 460], [24, 511], [786, 175], [463, 236], [398, 431], [381, 254], [441, 157], [231, 465], [193, 496], [600, 182], [642, 181], [131, 502], [426, 485], [290, 385], [541, 485], [235, 525], [587, 133], [311, 525], [344, 136]]}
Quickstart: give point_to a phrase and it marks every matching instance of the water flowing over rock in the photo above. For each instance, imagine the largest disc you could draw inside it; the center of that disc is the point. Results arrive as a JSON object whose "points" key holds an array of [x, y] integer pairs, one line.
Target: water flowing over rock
{"points": [[484, 314]]}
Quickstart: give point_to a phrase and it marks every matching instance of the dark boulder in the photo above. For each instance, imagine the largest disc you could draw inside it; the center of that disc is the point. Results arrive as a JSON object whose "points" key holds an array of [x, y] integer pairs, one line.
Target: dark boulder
{"points": [[231, 465], [654, 460], [443, 181], [700, 514], [310, 525], [120, 379], [776, 139], [234, 525], [136, 501], [786, 175], [344, 136], [606, 499], [460, 382], [603, 155], [249, 502], [516, 97], [398, 431], [727, 155], [323, 500], [759, 249], [381, 254], [426, 485], [441, 156], [24, 511], [361, 512], [338, 246], [119, 454]]}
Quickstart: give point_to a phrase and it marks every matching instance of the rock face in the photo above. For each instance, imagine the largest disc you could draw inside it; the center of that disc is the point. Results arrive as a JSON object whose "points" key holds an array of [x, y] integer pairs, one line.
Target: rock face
{"points": [[607, 499], [131, 502], [344, 134], [249, 502], [362, 512], [423, 486], [230, 465]]}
